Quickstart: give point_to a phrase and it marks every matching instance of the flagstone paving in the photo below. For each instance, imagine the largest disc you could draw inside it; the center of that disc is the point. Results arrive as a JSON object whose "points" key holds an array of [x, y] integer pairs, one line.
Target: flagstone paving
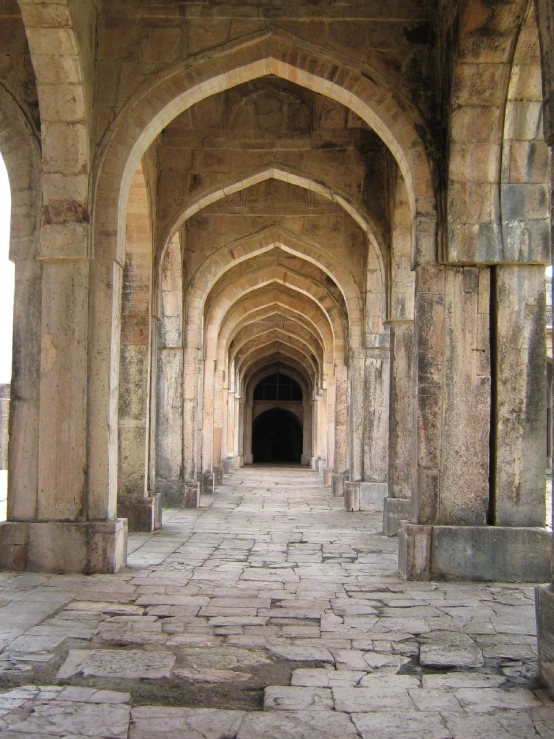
{"points": [[269, 612]]}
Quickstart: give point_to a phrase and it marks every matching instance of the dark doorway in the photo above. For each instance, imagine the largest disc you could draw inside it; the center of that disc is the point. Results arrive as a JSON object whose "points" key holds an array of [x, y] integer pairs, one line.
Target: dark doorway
{"points": [[276, 437]]}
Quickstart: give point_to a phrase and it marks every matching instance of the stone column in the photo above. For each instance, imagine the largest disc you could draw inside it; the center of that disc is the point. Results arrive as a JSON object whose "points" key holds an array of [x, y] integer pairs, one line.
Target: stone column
{"points": [[341, 423], [72, 526], [241, 432], [307, 432], [356, 369], [518, 497], [134, 503], [217, 425], [248, 457], [544, 596], [25, 393], [169, 424], [448, 534], [398, 503], [373, 489], [208, 404], [191, 379]]}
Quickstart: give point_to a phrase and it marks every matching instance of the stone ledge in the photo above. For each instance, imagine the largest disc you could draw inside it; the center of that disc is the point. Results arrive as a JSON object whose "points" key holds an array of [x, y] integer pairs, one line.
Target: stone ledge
{"points": [[51, 546], [544, 605], [395, 510], [142, 513], [474, 553]]}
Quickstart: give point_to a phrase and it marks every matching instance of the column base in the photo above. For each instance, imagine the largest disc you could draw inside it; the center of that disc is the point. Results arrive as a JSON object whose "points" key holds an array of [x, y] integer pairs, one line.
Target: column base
{"points": [[372, 495], [207, 483], [337, 483], [92, 547], [315, 461], [394, 511], [306, 459], [327, 477], [352, 496], [177, 494], [544, 605], [218, 476], [474, 553], [142, 513]]}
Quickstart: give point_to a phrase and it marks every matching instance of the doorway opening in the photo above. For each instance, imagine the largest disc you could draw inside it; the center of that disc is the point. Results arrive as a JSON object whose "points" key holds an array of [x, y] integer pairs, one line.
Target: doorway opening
{"points": [[277, 437]]}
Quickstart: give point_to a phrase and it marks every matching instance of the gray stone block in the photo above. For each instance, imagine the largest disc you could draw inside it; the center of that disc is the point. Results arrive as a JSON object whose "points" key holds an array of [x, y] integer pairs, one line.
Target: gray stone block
{"points": [[337, 484], [352, 496], [372, 495], [474, 553], [142, 513], [177, 494], [394, 511]]}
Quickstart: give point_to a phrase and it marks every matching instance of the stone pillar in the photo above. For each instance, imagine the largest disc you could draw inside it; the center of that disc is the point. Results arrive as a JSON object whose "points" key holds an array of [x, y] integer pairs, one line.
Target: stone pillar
{"points": [[358, 398], [340, 425], [208, 408], [376, 421], [520, 396], [306, 432], [448, 534], [241, 432], [398, 503], [218, 426], [25, 388], [134, 429], [191, 376], [169, 415], [544, 596], [71, 525], [248, 457]]}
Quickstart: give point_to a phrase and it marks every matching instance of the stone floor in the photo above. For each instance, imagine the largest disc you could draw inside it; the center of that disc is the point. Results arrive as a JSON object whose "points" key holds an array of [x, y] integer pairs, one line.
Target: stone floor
{"points": [[268, 613]]}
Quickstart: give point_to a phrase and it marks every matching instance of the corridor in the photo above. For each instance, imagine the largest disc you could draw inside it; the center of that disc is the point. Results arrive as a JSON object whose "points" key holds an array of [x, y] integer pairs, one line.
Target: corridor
{"points": [[268, 612]]}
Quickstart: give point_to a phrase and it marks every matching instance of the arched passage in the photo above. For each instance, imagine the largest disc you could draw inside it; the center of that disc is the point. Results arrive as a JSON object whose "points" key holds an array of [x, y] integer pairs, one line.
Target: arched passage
{"points": [[276, 437]]}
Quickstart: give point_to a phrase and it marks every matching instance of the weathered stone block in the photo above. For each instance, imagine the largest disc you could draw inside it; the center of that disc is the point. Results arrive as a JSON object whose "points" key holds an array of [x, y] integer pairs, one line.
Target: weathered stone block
{"points": [[177, 494], [208, 483], [51, 546], [372, 495], [414, 551], [474, 553], [142, 513], [218, 476], [491, 553], [352, 496], [327, 477], [395, 510], [337, 484]]}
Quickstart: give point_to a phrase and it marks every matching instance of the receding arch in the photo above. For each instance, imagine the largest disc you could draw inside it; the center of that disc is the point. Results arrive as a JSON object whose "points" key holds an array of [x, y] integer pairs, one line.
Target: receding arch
{"points": [[264, 295], [321, 331], [291, 177], [145, 115], [241, 250]]}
